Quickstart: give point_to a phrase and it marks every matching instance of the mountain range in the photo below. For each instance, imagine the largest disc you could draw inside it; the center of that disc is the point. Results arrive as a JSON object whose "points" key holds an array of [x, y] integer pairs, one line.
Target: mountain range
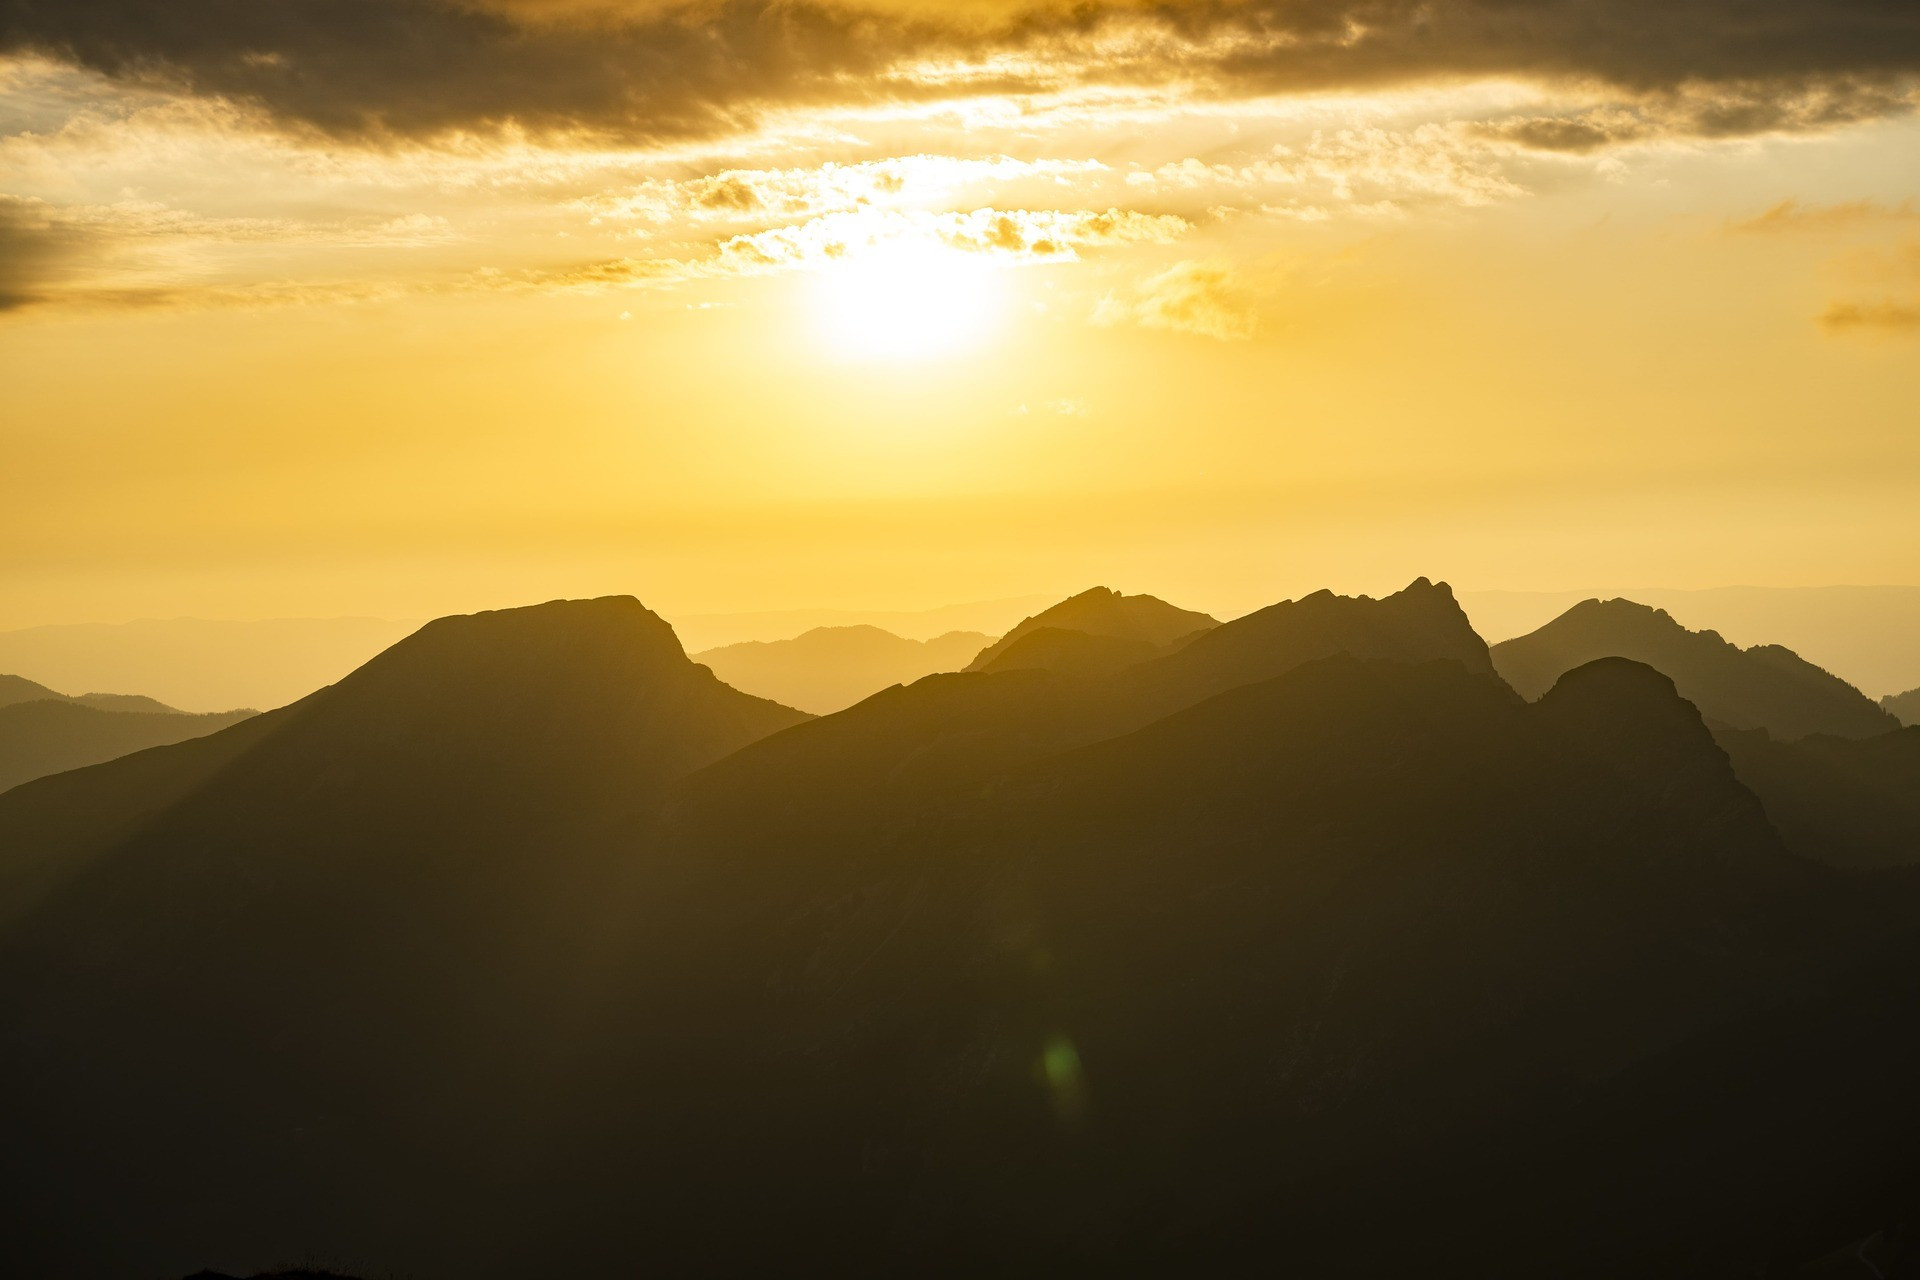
{"points": [[1762, 687], [43, 732], [1307, 945], [1104, 613], [829, 669], [1904, 707], [1868, 635]]}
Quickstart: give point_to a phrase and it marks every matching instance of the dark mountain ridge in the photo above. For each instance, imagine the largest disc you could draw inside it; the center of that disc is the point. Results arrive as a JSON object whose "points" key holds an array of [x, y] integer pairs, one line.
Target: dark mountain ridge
{"points": [[533, 948], [1105, 612], [1763, 687], [338, 924], [1282, 947]]}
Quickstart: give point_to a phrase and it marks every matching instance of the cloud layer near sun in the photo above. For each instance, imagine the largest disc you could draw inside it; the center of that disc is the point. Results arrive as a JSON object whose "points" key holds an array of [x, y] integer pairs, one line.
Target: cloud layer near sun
{"points": [[650, 69], [210, 153]]}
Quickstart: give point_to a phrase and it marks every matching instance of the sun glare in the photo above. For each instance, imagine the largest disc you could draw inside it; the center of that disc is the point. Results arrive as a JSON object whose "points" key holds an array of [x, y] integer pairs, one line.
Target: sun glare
{"points": [[906, 301]]}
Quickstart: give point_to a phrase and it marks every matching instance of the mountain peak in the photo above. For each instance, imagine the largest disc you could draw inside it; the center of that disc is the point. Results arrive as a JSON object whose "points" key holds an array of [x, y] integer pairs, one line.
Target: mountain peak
{"points": [[1102, 611], [1763, 687]]}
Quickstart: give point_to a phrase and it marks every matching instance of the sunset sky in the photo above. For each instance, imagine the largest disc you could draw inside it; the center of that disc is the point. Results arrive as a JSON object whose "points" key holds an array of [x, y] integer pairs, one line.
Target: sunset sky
{"points": [[405, 307]]}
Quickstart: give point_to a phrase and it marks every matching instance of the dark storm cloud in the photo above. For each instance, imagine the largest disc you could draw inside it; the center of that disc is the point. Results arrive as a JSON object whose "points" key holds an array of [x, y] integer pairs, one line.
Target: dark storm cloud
{"points": [[419, 66]]}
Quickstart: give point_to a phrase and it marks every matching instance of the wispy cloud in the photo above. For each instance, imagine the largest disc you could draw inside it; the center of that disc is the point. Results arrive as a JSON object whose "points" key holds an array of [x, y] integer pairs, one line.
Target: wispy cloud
{"points": [[1871, 317], [1191, 297], [1793, 217]]}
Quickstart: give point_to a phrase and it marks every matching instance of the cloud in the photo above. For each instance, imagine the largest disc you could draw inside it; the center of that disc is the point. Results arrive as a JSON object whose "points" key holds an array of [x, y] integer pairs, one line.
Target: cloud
{"points": [[1190, 297], [767, 195], [386, 68], [1790, 216], [1008, 235], [37, 253], [1891, 318]]}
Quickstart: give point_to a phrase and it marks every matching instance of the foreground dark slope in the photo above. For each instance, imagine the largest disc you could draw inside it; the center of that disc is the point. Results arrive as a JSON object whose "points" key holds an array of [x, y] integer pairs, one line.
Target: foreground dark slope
{"points": [[1849, 802], [1330, 973], [265, 980], [1763, 687]]}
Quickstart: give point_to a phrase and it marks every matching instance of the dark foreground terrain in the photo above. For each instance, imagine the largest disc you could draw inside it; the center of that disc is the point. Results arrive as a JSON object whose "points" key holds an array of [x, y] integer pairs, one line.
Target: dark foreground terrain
{"points": [[1304, 944]]}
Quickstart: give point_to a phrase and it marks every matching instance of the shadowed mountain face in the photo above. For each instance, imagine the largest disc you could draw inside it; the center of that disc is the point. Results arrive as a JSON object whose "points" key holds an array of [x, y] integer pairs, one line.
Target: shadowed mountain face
{"points": [[1843, 801], [335, 923], [1222, 988], [1904, 707], [1076, 653], [1103, 612], [830, 668], [1257, 954], [1764, 687]]}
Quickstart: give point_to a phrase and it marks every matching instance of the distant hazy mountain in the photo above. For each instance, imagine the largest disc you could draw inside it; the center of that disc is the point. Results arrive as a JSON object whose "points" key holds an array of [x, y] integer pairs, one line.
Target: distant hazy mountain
{"points": [[703, 631], [51, 735], [43, 732], [15, 689], [1103, 612], [831, 668], [197, 664], [1904, 707], [1868, 636], [1764, 687], [531, 948]]}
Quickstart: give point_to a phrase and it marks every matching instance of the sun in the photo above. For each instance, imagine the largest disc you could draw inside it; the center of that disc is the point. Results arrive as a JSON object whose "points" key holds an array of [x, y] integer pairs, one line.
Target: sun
{"points": [[906, 300]]}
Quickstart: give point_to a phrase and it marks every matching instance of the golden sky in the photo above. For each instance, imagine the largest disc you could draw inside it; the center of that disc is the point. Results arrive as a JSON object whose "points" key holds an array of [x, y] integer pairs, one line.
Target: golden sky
{"points": [[405, 307]]}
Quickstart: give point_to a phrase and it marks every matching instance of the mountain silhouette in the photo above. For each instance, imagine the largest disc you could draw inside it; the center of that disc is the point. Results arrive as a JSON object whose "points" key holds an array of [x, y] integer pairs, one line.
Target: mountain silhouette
{"points": [[1363, 935], [1104, 612], [333, 923], [1079, 653], [830, 668], [16, 689], [532, 948], [44, 732], [1763, 687], [892, 750], [1850, 802], [53, 735], [1904, 707]]}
